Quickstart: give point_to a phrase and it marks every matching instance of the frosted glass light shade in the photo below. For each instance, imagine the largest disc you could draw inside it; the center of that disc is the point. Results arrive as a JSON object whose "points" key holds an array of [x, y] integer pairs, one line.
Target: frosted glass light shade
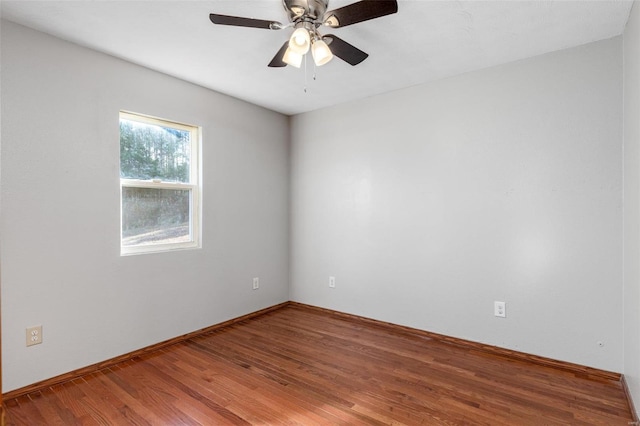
{"points": [[321, 53], [300, 41], [292, 58]]}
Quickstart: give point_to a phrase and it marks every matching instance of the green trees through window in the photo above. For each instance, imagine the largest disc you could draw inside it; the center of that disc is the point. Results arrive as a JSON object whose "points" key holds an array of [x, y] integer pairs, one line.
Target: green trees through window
{"points": [[159, 184], [149, 151]]}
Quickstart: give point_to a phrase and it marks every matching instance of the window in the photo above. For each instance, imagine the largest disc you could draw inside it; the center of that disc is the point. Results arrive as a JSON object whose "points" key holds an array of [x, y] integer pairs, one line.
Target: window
{"points": [[158, 184]]}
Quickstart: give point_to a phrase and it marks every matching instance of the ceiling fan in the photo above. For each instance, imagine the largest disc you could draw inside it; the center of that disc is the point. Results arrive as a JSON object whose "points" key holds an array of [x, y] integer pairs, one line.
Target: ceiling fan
{"points": [[306, 16]]}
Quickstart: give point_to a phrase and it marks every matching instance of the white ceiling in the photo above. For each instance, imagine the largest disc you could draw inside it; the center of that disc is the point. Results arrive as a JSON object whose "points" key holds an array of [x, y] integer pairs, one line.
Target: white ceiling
{"points": [[424, 41]]}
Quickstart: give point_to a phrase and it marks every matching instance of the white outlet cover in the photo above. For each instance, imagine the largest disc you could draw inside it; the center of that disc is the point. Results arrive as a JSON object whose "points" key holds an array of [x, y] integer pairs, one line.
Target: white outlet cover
{"points": [[332, 282], [500, 309], [34, 335]]}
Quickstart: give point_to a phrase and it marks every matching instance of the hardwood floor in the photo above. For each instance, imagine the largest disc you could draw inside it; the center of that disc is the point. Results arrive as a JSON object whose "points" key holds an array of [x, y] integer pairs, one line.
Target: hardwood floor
{"points": [[302, 366]]}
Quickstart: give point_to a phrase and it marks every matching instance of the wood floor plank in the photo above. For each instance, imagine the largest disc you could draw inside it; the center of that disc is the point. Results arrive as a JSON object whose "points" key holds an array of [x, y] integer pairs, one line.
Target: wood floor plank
{"points": [[274, 390], [23, 411], [42, 401], [404, 391], [303, 366], [325, 390]]}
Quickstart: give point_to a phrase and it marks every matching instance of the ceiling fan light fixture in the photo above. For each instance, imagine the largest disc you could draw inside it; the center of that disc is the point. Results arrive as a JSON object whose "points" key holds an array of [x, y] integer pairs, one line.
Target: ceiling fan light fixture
{"points": [[292, 58], [321, 52], [300, 41]]}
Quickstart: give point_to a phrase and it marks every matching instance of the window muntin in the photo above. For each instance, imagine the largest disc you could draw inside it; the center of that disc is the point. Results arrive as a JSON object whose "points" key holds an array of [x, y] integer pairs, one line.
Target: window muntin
{"points": [[159, 184]]}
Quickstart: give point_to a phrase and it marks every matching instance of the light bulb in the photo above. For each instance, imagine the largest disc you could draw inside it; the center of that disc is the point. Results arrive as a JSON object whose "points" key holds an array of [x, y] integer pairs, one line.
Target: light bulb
{"points": [[300, 41], [321, 52], [292, 58]]}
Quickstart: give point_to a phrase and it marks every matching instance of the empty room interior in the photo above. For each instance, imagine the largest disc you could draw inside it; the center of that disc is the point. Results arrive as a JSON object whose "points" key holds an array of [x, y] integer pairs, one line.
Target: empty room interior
{"points": [[416, 212]]}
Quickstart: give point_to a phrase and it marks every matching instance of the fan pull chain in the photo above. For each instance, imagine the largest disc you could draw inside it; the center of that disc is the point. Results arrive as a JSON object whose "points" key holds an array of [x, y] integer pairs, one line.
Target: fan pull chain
{"points": [[305, 73], [306, 76]]}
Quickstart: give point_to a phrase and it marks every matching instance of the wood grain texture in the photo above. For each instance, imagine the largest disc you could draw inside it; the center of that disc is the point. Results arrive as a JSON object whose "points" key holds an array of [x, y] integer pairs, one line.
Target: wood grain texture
{"points": [[299, 365], [494, 350], [38, 386]]}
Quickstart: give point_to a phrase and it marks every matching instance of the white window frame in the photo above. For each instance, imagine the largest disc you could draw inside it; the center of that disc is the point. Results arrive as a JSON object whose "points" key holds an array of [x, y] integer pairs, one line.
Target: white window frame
{"points": [[194, 186]]}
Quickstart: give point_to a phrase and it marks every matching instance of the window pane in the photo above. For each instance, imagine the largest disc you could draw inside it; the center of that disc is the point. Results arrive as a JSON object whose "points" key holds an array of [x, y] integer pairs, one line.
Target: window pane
{"points": [[151, 151], [155, 216]]}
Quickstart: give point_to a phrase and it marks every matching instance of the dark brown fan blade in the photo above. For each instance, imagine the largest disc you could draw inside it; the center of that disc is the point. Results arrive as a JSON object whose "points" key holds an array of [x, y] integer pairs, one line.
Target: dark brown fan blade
{"points": [[244, 22], [345, 51], [359, 12], [277, 60]]}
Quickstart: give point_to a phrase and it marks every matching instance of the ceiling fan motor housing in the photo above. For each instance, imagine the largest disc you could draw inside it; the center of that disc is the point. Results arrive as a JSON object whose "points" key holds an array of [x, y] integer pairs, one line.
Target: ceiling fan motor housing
{"points": [[306, 10]]}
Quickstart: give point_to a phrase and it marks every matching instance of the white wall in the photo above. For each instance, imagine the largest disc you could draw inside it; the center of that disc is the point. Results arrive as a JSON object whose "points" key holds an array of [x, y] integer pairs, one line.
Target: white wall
{"points": [[61, 265], [429, 203], [632, 204]]}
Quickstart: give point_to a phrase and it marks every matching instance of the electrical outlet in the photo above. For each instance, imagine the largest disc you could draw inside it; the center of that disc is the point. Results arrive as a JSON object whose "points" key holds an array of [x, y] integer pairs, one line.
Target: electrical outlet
{"points": [[34, 335], [500, 309], [332, 282], [256, 283]]}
